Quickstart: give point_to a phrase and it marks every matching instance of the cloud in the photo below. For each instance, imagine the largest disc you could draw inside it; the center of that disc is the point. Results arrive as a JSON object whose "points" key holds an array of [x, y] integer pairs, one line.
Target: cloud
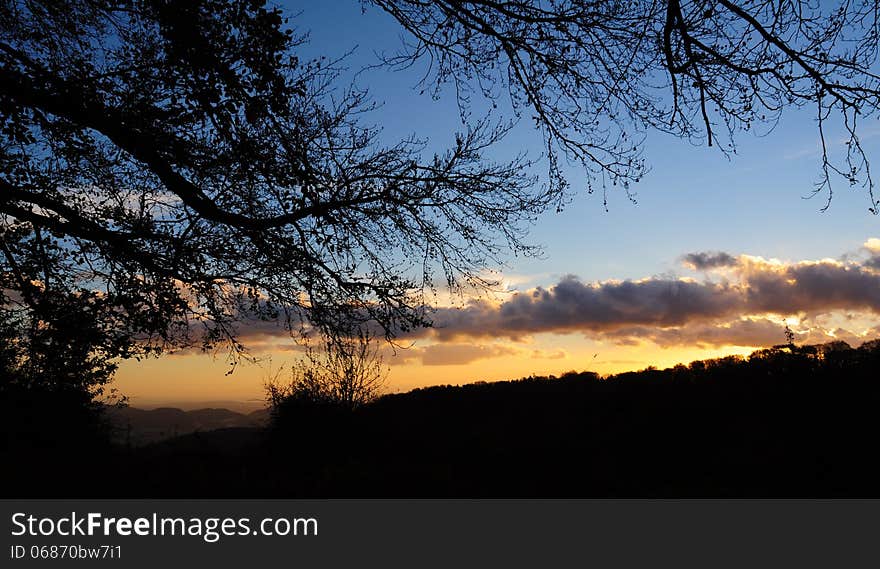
{"points": [[458, 354], [574, 306], [738, 332], [463, 353], [743, 305], [669, 310], [709, 260], [819, 286], [872, 246], [549, 355]]}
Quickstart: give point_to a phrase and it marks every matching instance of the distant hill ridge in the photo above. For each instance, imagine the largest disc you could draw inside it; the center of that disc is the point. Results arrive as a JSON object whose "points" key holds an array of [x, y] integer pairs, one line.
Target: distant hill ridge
{"points": [[143, 426]]}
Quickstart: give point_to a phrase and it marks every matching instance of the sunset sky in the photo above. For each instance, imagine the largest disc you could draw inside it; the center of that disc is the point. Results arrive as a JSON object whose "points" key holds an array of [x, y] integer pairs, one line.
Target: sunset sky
{"points": [[712, 259]]}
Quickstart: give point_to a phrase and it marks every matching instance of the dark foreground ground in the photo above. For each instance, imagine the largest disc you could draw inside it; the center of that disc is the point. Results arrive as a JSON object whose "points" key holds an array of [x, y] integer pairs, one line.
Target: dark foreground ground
{"points": [[783, 422]]}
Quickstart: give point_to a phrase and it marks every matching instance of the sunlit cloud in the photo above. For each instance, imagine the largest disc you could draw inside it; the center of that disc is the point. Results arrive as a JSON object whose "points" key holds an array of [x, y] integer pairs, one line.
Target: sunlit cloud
{"points": [[549, 354], [745, 304], [460, 354], [742, 300], [872, 246]]}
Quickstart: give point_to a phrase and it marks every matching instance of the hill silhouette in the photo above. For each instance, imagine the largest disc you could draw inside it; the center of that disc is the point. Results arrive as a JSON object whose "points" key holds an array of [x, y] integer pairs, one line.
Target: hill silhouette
{"points": [[785, 421], [142, 426]]}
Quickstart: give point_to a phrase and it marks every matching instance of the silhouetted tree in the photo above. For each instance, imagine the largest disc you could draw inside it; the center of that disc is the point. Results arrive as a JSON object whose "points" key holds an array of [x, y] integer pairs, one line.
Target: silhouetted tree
{"points": [[57, 335], [179, 166], [789, 336], [56, 360], [313, 412], [348, 372], [594, 75], [179, 156]]}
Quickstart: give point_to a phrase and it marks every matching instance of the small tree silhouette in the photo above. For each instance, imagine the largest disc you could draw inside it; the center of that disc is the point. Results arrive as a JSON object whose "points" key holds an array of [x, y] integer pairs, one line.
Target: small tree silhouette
{"points": [[789, 336], [345, 372]]}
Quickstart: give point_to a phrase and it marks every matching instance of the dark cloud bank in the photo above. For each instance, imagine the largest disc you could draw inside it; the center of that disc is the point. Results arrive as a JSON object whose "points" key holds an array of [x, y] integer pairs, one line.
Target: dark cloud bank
{"points": [[732, 308], [739, 301]]}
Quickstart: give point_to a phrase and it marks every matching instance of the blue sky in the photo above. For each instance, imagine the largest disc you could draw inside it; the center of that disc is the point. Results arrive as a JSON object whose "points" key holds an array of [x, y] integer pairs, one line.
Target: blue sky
{"points": [[694, 199]]}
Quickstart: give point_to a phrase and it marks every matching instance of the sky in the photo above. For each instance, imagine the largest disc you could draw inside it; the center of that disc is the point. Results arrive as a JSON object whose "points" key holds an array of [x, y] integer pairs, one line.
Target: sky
{"points": [[714, 258]]}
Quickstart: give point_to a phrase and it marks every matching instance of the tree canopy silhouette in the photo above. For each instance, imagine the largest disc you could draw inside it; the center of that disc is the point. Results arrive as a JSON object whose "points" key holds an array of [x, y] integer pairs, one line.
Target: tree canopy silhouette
{"points": [[594, 76], [175, 166], [180, 155]]}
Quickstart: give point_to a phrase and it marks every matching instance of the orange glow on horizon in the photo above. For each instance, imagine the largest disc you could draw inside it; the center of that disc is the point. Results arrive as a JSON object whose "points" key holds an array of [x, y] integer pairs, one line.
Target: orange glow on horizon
{"points": [[192, 379]]}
